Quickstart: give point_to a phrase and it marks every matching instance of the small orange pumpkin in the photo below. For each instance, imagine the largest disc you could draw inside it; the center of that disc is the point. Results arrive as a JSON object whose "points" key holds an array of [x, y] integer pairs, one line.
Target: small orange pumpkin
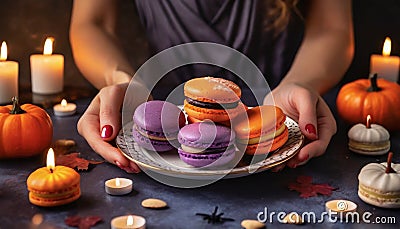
{"points": [[376, 97], [25, 130]]}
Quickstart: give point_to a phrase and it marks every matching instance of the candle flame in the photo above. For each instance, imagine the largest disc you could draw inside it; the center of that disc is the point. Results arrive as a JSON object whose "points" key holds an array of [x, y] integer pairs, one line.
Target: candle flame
{"points": [[117, 182], [48, 46], [3, 54], [129, 221], [50, 159], [368, 121], [64, 103], [387, 47]]}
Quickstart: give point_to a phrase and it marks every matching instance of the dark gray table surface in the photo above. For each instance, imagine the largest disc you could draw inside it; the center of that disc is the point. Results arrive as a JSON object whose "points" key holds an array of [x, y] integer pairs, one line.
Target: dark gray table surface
{"points": [[239, 198]]}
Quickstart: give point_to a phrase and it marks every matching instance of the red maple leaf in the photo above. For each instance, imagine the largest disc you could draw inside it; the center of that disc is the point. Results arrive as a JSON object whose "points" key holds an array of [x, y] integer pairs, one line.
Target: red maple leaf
{"points": [[82, 222], [306, 188], [73, 160]]}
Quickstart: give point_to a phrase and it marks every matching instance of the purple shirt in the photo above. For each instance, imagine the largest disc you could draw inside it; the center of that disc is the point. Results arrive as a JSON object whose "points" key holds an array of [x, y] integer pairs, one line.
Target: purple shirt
{"points": [[235, 23]]}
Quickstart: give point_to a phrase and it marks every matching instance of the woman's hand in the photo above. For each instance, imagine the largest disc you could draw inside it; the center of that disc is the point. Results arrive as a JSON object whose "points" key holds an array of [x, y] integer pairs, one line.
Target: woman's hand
{"points": [[101, 123], [305, 106]]}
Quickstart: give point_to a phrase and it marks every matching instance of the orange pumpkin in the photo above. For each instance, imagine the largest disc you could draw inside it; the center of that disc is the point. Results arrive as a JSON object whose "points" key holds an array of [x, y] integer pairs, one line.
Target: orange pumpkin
{"points": [[25, 130], [376, 97]]}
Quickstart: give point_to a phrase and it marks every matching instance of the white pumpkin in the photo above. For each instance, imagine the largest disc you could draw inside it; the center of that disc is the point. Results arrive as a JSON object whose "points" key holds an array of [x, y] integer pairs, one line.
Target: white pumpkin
{"points": [[378, 186], [370, 141]]}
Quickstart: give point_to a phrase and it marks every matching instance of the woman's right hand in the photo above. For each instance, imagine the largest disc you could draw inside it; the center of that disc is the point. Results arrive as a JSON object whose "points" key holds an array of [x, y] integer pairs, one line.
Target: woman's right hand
{"points": [[101, 123]]}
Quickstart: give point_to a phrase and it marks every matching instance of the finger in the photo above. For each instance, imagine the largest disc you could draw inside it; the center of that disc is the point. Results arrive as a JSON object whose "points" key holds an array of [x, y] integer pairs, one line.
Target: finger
{"points": [[301, 158], [316, 148], [278, 168], [306, 104], [110, 116], [104, 149]]}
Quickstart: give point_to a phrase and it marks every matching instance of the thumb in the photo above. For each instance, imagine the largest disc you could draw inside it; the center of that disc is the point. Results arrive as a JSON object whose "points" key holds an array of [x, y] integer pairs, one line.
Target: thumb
{"points": [[111, 99], [307, 108]]}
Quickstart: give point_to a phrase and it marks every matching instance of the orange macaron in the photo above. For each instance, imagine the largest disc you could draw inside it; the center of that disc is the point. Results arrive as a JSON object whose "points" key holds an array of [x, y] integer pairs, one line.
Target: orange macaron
{"points": [[212, 98], [58, 186], [261, 130]]}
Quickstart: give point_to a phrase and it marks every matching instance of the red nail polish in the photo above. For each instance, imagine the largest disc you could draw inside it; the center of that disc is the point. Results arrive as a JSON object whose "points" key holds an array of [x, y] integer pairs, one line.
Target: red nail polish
{"points": [[305, 158], [106, 131], [310, 128]]}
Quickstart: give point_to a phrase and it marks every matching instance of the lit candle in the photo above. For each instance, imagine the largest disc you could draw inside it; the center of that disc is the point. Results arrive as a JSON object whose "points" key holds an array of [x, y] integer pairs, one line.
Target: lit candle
{"points": [[385, 65], [8, 76], [369, 139], [118, 186], [53, 185], [64, 108], [128, 222], [47, 70]]}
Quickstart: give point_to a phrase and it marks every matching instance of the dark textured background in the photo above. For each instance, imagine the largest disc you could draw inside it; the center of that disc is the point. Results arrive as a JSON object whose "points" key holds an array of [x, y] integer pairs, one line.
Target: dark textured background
{"points": [[25, 24]]}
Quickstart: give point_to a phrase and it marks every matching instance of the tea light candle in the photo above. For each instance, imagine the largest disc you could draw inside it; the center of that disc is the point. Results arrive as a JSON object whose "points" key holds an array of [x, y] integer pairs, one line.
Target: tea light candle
{"points": [[385, 65], [128, 222], [8, 76], [47, 70], [339, 206], [118, 186], [64, 108]]}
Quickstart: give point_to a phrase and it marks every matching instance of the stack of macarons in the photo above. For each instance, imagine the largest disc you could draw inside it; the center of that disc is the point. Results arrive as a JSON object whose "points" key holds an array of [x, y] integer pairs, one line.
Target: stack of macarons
{"points": [[206, 143], [217, 121], [156, 125], [211, 98], [261, 130], [50, 188]]}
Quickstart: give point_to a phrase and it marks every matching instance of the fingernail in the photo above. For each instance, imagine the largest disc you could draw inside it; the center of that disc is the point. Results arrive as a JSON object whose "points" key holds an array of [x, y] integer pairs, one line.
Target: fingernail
{"points": [[134, 167], [119, 165], [305, 158], [129, 170], [310, 128], [106, 131]]}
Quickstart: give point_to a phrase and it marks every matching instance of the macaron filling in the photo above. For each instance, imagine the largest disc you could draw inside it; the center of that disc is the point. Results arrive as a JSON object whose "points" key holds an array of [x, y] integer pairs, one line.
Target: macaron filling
{"points": [[208, 105], [378, 194], [202, 160], [369, 146], [263, 138], [160, 136], [194, 150]]}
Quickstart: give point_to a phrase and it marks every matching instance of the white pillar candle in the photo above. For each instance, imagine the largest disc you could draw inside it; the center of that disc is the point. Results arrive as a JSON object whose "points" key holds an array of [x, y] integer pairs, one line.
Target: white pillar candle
{"points": [[47, 70], [128, 222], [118, 186], [8, 76], [385, 65]]}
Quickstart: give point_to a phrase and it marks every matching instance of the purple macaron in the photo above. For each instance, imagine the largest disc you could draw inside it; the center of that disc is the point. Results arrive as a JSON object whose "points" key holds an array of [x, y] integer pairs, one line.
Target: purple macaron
{"points": [[156, 125], [206, 144]]}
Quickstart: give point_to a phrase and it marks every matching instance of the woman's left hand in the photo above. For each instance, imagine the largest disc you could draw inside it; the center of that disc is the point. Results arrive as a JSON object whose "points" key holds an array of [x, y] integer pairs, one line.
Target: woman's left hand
{"points": [[313, 115]]}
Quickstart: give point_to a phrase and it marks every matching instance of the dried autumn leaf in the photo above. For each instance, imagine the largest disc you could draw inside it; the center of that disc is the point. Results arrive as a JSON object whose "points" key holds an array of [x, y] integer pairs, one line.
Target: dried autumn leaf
{"points": [[82, 222], [307, 189], [73, 160]]}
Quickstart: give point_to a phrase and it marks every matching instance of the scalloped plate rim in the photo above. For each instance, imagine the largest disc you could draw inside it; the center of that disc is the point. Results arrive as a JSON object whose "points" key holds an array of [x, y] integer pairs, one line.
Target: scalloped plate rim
{"points": [[228, 173]]}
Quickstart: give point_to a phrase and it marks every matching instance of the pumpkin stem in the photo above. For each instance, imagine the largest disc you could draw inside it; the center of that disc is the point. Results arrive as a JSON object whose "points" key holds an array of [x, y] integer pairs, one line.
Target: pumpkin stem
{"points": [[374, 84], [389, 168], [16, 109]]}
